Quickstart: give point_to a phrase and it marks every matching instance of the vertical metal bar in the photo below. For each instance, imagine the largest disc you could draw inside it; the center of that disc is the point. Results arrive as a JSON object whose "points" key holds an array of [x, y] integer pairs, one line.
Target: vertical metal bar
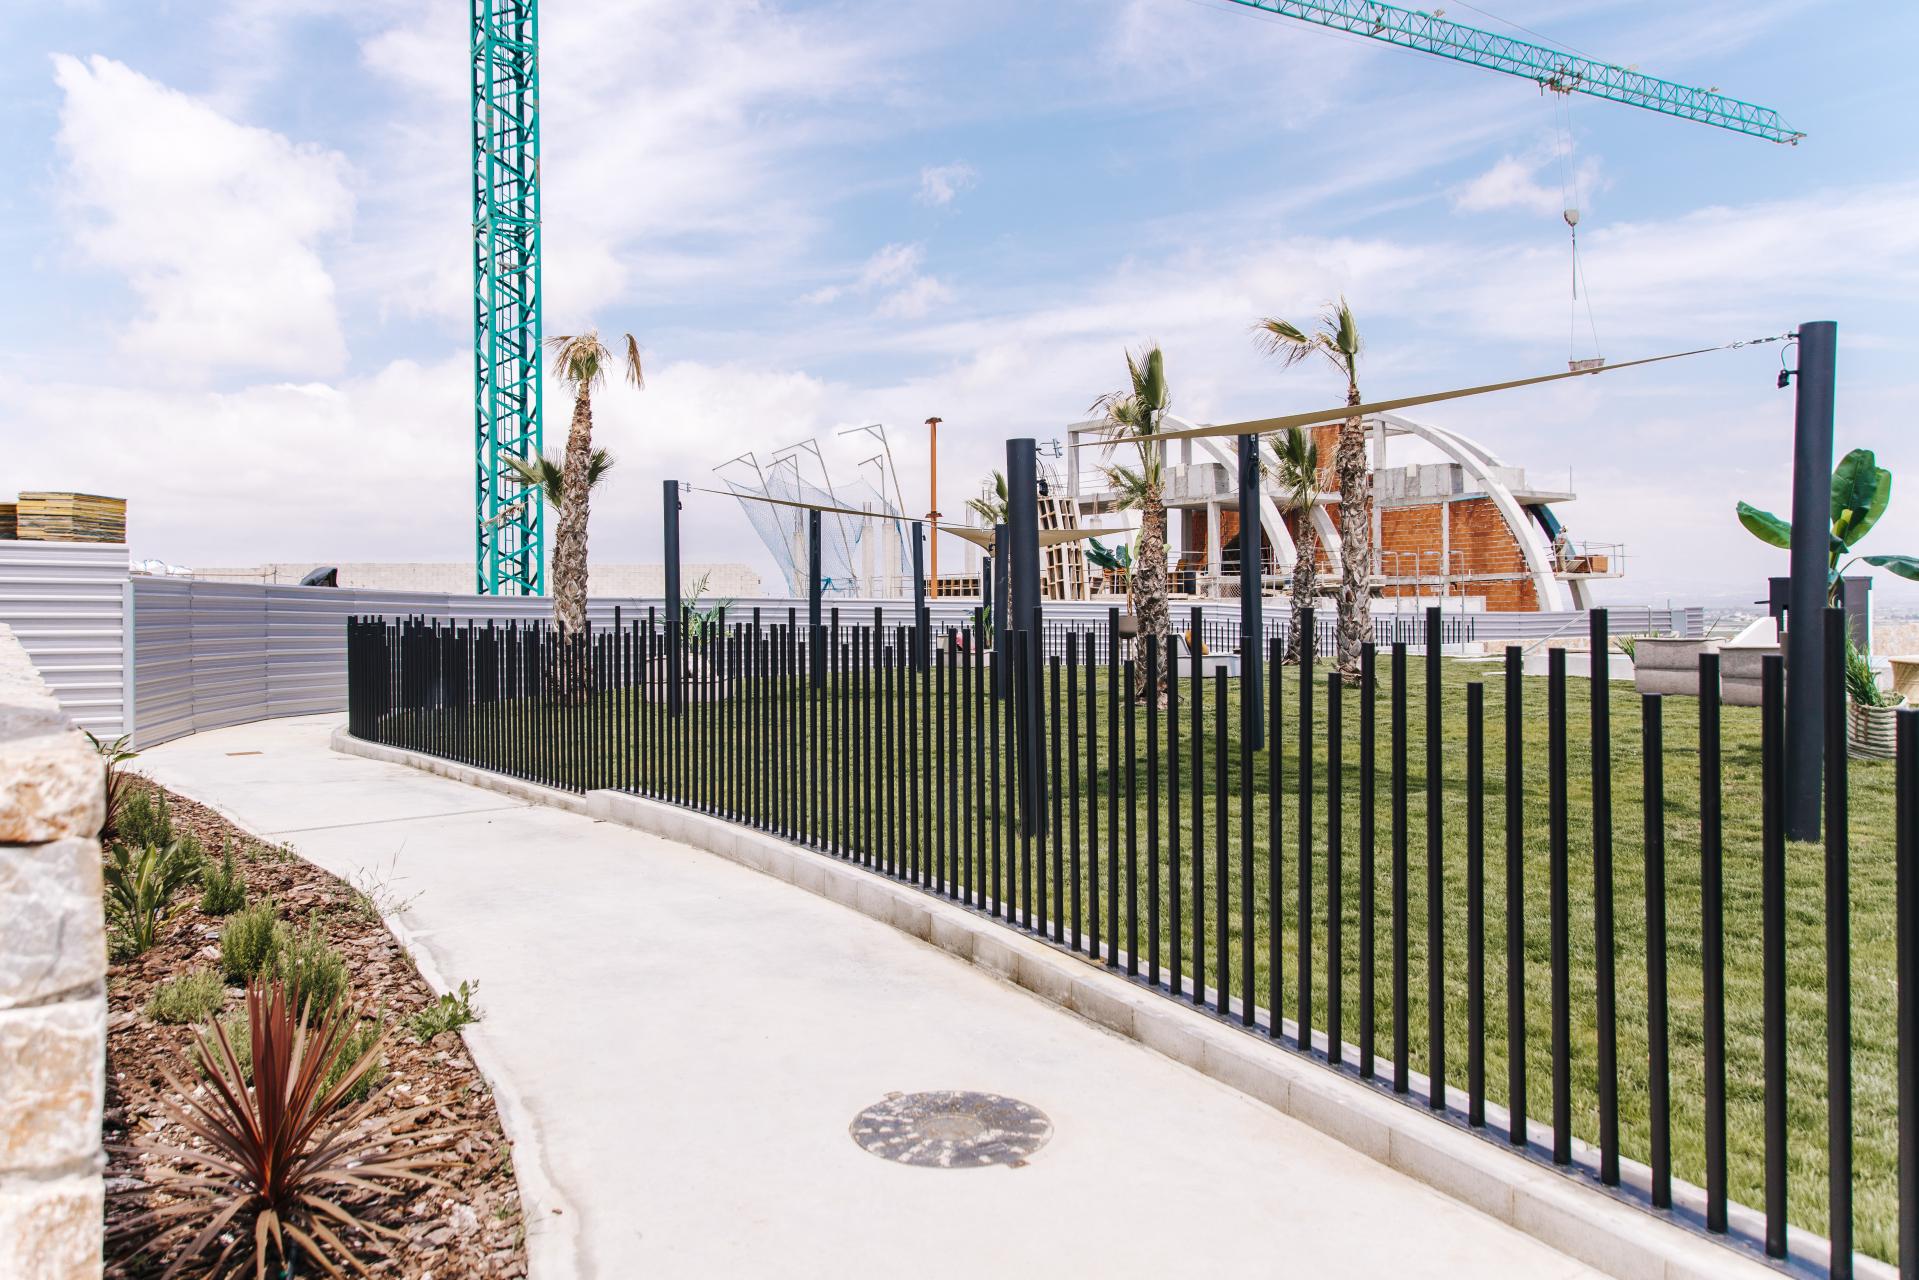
{"points": [[1402, 1050], [1072, 778], [1838, 957], [1368, 823], [1056, 730], [1303, 822], [1772, 944], [1335, 882], [1248, 922], [1560, 910], [674, 619], [1515, 792], [1174, 906], [1222, 919], [1251, 601], [1475, 904], [1199, 814], [1132, 825], [1604, 981], [1652, 752], [1811, 549], [1114, 775], [1152, 810], [1435, 875], [1092, 796], [1906, 928]]}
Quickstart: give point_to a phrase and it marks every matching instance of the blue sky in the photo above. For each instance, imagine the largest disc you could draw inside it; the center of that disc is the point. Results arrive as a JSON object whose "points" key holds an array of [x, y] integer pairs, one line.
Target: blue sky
{"points": [[239, 237]]}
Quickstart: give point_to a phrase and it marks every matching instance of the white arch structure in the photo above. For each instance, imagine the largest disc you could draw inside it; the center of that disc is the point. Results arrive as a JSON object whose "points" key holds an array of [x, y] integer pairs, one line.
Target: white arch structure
{"points": [[1478, 462]]}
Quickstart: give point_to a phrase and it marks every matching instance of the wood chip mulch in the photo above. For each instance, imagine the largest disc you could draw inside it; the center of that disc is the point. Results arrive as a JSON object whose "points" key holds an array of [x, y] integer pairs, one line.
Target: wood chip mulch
{"points": [[472, 1228]]}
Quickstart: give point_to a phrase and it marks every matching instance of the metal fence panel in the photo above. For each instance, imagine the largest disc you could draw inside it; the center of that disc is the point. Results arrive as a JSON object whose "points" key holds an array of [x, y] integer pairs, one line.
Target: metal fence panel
{"points": [[64, 602]]}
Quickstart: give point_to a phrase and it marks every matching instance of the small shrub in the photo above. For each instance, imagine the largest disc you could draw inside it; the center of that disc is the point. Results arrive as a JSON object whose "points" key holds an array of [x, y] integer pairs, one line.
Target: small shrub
{"points": [[273, 1163], [223, 888], [450, 1012], [312, 971], [250, 940], [370, 1031], [113, 754], [144, 819], [140, 882], [192, 997]]}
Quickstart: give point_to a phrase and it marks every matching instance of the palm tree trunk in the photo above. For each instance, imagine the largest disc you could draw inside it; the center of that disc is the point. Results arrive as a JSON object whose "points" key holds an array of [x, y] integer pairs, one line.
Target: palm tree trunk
{"points": [[1355, 542], [569, 541], [1149, 584], [1305, 578]]}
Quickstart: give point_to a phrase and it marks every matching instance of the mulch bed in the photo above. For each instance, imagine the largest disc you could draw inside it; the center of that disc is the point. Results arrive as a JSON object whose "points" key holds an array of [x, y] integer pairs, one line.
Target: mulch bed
{"points": [[471, 1228]]}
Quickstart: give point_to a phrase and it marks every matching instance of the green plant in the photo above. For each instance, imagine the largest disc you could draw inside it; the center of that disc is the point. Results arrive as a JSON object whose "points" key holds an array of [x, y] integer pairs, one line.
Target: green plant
{"points": [[144, 819], [545, 473], [990, 506], [191, 997], [313, 973], [1112, 560], [223, 890], [1862, 686], [1861, 490], [450, 1012], [1136, 416], [1336, 339], [140, 882], [703, 624], [250, 940], [280, 1168], [1298, 455], [580, 362], [113, 754]]}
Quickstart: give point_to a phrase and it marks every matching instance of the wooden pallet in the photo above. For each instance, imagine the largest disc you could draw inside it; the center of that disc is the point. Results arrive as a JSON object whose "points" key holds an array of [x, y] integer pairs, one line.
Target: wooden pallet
{"points": [[71, 517]]}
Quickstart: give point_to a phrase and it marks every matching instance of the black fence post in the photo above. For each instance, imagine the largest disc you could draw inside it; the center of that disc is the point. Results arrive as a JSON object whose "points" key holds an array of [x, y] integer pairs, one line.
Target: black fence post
{"points": [[674, 658], [1251, 584], [815, 584], [1811, 548]]}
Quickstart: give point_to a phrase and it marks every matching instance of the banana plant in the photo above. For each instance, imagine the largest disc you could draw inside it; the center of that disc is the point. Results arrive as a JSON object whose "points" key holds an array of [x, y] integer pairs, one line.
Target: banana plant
{"points": [[1110, 559], [1861, 488]]}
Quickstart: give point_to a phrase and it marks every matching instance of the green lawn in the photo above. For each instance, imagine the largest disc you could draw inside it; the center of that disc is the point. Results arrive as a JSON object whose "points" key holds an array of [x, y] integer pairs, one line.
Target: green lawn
{"points": [[1873, 942]]}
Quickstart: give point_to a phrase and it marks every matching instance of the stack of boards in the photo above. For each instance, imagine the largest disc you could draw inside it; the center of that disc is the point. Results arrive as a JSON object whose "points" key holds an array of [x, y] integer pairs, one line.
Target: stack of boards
{"points": [[64, 517]]}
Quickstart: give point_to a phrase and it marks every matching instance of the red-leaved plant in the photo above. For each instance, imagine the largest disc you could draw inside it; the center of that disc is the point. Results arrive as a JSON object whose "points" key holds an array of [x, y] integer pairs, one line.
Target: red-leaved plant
{"points": [[282, 1162]]}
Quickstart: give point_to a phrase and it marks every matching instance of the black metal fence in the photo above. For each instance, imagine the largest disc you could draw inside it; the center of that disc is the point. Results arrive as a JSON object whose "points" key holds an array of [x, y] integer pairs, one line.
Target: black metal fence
{"points": [[1693, 1016]]}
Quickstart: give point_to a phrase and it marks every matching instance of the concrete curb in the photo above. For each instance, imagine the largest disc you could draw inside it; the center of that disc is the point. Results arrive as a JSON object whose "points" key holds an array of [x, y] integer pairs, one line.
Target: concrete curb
{"points": [[552, 1221], [1608, 1234]]}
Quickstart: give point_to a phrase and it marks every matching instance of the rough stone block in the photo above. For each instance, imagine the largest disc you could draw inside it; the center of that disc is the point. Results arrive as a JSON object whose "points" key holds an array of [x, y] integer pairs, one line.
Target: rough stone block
{"points": [[52, 786], [52, 1081], [52, 933], [50, 1230]]}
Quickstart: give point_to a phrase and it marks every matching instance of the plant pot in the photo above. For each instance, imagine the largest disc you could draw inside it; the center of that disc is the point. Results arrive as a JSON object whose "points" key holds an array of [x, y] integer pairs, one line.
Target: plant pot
{"points": [[1870, 730], [1128, 626]]}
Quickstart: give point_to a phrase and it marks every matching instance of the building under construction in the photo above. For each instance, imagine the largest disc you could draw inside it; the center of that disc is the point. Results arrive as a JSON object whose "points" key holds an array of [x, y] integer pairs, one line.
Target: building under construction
{"points": [[1453, 523]]}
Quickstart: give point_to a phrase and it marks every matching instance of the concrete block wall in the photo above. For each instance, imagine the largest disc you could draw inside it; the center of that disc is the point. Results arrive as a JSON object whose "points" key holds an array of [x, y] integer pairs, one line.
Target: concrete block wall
{"points": [[53, 964]]}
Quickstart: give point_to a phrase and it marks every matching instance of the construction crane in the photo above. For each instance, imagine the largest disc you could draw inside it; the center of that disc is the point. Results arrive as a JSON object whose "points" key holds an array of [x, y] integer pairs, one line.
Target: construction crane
{"points": [[1551, 69], [511, 519]]}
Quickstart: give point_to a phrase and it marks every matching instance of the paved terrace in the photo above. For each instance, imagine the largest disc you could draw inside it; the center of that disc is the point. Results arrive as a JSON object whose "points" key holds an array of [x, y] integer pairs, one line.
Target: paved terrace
{"points": [[681, 1043]]}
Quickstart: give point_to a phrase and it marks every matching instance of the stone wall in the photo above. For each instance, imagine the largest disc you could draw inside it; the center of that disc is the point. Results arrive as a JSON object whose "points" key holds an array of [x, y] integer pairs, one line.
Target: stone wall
{"points": [[52, 983]]}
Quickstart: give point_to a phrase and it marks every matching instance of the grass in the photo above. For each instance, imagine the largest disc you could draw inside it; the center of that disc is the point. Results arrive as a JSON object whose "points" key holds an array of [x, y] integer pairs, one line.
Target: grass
{"points": [[627, 727]]}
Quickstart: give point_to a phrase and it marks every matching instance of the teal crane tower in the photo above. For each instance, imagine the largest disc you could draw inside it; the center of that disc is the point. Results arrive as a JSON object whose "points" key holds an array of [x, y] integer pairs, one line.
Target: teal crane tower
{"points": [[1551, 69], [511, 519]]}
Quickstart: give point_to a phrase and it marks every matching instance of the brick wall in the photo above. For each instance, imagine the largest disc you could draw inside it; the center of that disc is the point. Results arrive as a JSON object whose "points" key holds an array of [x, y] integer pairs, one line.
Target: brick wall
{"points": [[52, 983], [1412, 538]]}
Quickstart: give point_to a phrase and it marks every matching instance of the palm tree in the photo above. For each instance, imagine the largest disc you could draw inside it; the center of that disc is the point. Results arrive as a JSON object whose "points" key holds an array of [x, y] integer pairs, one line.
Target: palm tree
{"points": [[542, 472], [579, 362], [1134, 416], [1337, 339], [1298, 476], [990, 506]]}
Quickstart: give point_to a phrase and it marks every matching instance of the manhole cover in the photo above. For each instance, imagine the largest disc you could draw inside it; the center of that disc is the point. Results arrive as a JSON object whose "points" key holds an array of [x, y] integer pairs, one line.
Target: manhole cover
{"points": [[952, 1129]]}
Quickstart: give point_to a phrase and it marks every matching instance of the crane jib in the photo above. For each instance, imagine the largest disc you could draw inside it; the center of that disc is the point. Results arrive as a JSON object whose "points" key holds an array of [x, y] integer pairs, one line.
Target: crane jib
{"points": [[1552, 69]]}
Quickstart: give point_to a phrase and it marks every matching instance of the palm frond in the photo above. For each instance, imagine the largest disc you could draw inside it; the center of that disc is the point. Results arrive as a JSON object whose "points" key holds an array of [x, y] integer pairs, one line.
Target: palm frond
{"points": [[1286, 340], [579, 359], [634, 374], [548, 474], [1342, 332]]}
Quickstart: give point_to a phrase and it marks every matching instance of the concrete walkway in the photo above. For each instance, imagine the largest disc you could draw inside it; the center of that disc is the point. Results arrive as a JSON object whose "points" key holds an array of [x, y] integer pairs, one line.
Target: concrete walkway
{"points": [[684, 1042]]}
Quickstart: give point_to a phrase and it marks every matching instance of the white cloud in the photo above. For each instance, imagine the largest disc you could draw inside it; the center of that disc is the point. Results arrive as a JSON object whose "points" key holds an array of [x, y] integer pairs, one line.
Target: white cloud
{"points": [[939, 183], [894, 274], [1514, 183], [215, 225]]}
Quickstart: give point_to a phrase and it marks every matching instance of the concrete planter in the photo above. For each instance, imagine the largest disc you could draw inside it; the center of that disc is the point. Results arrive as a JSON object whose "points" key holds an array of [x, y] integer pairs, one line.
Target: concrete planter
{"points": [[1870, 730], [1741, 671], [1668, 665]]}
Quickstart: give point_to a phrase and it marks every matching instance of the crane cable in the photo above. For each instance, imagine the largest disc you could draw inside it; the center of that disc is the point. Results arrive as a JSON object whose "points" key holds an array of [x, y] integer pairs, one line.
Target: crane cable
{"points": [[1570, 197]]}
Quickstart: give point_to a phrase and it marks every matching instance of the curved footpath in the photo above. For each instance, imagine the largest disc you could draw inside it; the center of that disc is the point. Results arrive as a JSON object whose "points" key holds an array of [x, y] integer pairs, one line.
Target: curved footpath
{"points": [[679, 1045]]}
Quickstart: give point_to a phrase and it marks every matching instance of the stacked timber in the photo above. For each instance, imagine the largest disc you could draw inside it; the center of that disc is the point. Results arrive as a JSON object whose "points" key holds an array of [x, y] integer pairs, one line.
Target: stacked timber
{"points": [[71, 517], [9, 519]]}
